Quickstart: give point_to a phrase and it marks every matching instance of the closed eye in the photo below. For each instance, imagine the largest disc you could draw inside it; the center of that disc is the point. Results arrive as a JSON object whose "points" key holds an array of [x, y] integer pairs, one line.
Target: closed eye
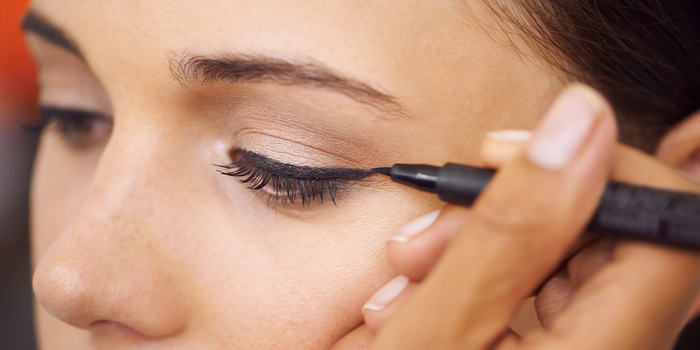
{"points": [[289, 183], [79, 128]]}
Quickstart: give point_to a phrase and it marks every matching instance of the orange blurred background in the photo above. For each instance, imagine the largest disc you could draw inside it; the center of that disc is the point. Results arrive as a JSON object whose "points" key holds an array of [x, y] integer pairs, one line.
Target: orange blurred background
{"points": [[18, 95], [17, 76]]}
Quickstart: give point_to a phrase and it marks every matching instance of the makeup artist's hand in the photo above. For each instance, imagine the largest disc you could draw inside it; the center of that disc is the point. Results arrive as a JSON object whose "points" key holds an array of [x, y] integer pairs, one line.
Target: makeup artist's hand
{"points": [[608, 295]]}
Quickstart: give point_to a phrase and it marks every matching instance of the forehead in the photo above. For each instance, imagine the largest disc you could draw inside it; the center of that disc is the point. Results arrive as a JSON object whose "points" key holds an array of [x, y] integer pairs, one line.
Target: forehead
{"points": [[442, 59], [351, 36]]}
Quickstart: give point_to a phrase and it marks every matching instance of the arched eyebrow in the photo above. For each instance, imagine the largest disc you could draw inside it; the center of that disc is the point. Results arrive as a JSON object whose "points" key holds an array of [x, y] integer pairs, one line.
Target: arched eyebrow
{"points": [[197, 70], [233, 69], [39, 25]]}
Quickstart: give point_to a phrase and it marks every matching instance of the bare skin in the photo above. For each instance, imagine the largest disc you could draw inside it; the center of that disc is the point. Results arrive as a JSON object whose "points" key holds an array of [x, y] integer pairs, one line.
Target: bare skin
{"points": [[138, 241]]}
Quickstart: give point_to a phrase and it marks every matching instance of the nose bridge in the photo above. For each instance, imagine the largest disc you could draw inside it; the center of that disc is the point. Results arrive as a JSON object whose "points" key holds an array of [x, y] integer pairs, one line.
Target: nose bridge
{"points": [[112, 263], [127, 174], [127, 188]]}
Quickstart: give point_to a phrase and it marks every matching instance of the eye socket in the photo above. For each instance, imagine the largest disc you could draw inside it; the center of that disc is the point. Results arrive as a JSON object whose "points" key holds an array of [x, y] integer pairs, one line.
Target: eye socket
{"points": [[79, 128], [286, 183]]}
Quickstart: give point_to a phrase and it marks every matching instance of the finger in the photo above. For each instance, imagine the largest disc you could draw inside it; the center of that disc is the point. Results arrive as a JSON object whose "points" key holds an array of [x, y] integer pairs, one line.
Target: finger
{"points": [[643, 295], [694, 310], [525, 320], [359, 338], [638, 301], [518, 231], [552, 299], [680, 142], [554, 295], [558, 290], [628, 161], [390, 298], [416, 247], [590, 260], [384, 304], [500, 146]]}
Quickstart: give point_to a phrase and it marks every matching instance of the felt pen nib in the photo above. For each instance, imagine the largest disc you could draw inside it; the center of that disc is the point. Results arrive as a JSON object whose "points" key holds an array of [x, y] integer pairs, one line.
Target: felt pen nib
{"points": [[383, 171]]}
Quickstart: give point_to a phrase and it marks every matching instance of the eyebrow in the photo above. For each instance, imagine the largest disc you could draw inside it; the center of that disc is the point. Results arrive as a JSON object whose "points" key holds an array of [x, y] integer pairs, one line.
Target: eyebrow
{"points": [[37, 24], [198, 70]]}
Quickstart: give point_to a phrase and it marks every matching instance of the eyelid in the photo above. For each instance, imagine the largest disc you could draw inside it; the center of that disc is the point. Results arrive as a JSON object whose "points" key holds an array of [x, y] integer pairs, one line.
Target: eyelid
{"points": [[289, 182], [80, 128], [48, 113]]}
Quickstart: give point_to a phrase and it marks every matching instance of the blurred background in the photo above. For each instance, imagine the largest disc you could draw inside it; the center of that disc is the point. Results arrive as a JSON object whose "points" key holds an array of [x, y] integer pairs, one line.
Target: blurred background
{"points": [[18, 96], [17, 104]]}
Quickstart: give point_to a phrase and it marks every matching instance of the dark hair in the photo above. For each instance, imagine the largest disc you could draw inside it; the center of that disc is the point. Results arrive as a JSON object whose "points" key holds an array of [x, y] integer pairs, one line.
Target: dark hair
{"points": [[643, 55]]}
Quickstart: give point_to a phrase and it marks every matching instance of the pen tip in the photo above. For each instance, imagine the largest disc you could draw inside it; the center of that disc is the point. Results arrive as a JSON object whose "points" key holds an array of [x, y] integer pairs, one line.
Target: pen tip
{"points": [[383, 171]]}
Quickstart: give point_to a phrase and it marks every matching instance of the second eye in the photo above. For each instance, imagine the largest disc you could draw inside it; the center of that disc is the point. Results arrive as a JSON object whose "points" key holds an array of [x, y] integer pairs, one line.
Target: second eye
{"points": [[79, 128]]}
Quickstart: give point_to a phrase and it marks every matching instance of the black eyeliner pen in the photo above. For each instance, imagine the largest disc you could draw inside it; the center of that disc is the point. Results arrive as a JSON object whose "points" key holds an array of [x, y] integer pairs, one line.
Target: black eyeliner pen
{"points": [[626, 211]]}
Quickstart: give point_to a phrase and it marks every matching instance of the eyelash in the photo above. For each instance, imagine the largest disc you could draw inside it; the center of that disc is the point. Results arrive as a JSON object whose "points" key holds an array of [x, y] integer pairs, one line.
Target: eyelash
{"points": [[284, 189], [74, 125]]}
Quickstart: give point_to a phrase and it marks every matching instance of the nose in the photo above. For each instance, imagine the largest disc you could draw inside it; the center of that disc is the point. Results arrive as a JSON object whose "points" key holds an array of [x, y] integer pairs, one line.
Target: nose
{"points": [[115, 264]]}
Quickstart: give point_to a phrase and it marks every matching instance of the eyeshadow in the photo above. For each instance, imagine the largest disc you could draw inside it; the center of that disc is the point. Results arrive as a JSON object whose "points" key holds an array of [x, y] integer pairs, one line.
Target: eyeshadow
{"points": [[302, 172]]}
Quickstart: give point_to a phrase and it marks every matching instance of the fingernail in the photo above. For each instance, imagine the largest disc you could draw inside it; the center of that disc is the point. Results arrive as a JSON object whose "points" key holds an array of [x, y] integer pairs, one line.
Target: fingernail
{"points": [[563, 129], [386, 294], [510, 135], [414, 227]]}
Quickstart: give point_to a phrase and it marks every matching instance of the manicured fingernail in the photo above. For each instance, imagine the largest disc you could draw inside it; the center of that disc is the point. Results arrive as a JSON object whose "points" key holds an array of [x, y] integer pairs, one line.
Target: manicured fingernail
{"points": [[386, 294], [563, 129], [510, 135], [414, 227]]}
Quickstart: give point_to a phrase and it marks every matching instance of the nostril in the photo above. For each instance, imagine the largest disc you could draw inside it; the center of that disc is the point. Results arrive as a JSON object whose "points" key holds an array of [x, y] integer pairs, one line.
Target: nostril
{"points": [[116, 329]]}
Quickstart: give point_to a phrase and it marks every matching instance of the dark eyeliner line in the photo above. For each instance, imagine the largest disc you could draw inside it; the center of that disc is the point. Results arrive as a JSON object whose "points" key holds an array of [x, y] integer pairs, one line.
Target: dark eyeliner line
{"points": [[302, 172]]}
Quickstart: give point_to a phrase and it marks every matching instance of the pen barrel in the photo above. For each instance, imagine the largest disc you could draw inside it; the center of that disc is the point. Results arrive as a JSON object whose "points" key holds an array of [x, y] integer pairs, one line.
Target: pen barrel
{"points": [[651, 214], [461, 184]]}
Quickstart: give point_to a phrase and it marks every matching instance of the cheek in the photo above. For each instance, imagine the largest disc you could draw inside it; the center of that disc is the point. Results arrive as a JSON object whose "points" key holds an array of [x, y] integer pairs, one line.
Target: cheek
{"points": [[307, 298], [304, 281]]}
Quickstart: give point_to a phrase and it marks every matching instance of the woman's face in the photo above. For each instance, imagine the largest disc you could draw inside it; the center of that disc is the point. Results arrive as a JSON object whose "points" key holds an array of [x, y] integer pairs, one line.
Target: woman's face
{"points": [[140, 242]]}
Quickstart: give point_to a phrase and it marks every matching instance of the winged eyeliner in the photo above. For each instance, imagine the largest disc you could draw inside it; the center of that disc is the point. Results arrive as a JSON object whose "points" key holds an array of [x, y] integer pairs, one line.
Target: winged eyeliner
{"points": [[302, 172]]}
